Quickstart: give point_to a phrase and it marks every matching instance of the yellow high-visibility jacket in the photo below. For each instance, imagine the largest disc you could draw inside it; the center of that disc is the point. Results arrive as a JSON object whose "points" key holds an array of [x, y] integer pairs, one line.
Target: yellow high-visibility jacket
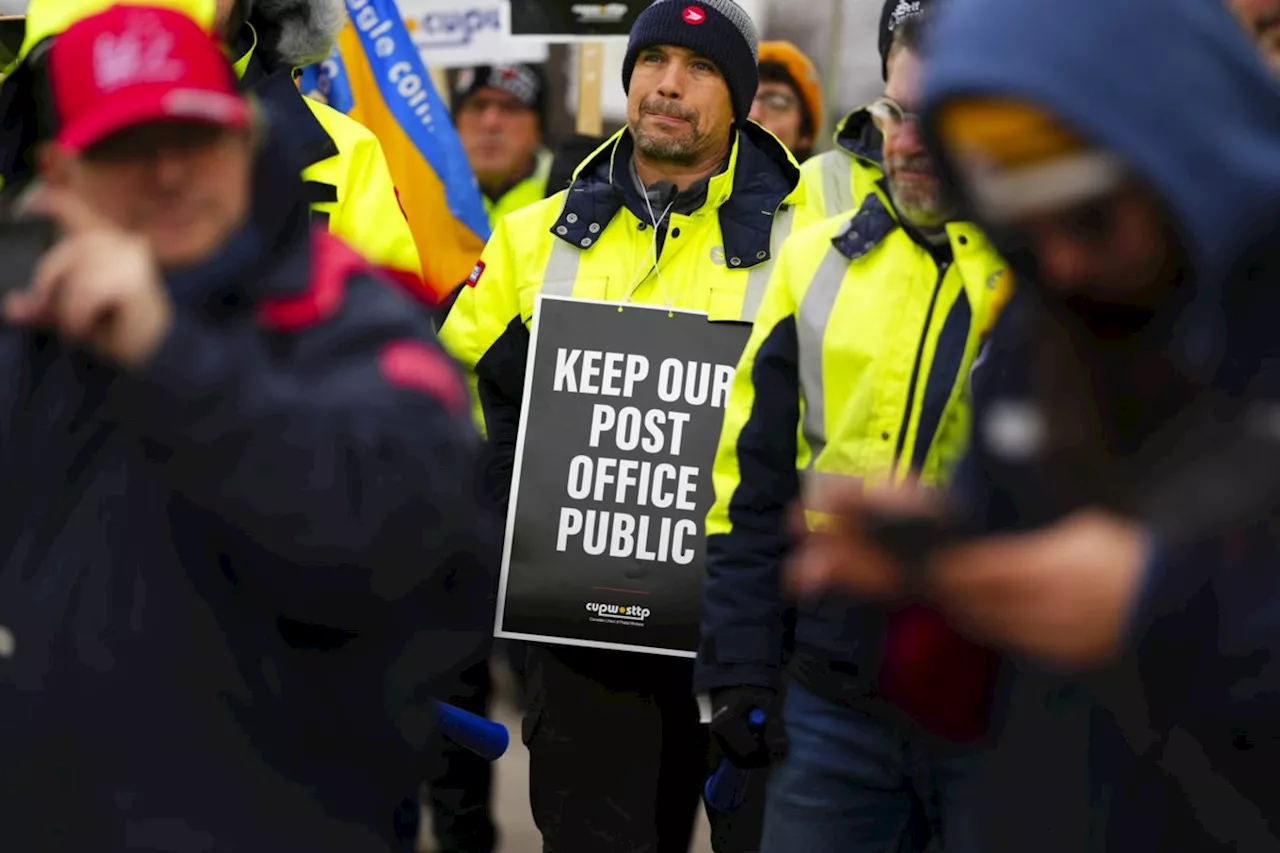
{"points": [[596, 241], [526, 192], [348, 183], [837, 181], [857, 365]]}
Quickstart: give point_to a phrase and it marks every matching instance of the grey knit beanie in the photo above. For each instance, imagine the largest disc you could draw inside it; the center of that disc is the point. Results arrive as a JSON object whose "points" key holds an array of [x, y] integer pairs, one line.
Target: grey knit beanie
{"points": [[720, 30]]}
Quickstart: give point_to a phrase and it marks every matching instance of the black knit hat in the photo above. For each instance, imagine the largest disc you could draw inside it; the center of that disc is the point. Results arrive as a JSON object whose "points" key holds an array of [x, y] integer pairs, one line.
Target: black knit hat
{"points": [[720, 30], [893, 14], [526, 83]]}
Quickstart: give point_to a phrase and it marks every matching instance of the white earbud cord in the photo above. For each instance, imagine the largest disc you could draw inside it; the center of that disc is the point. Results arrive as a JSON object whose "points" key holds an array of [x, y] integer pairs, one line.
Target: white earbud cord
{"points": [[635, 285]]}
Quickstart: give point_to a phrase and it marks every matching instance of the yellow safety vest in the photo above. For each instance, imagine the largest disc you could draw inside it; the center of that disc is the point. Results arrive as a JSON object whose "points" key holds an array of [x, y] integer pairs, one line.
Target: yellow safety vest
{"points": [[877, 338]]}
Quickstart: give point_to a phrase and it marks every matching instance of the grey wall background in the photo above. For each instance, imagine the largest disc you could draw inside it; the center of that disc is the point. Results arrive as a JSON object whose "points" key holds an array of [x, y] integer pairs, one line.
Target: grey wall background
{"points": [[856, 71]]}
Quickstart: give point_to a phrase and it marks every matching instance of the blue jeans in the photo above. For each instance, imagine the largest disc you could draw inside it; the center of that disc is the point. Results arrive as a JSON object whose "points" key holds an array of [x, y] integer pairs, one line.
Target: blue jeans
{"points": [[855, 783]]}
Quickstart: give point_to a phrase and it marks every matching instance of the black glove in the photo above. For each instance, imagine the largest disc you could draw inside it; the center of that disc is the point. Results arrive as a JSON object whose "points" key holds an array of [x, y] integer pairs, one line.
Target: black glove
{"points": [[744, 746]]}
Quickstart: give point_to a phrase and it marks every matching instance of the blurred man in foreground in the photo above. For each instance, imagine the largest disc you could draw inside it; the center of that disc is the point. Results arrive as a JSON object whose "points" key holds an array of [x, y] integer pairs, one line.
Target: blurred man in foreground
{"points": [[347, 182], [1261, 19], [241, 550], [1114, 532]]}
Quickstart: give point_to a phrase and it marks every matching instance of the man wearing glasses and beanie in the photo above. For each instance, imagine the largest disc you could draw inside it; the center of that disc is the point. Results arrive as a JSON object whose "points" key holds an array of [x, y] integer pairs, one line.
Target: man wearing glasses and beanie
{"points": [[858, 367], [838, 180], [788, 103]]}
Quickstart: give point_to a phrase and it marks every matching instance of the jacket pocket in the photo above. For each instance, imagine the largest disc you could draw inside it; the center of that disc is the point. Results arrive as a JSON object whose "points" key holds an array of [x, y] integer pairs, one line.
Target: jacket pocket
{"points": [[725, 302]]}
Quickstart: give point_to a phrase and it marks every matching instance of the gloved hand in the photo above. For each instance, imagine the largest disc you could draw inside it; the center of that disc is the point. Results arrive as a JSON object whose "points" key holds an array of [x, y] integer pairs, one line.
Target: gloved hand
{"points": [[745, 748]]}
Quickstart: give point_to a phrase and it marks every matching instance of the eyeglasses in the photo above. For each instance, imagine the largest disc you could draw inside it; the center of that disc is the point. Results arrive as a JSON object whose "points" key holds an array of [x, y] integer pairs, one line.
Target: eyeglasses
{"points": [[776, 102], [888, 114]]}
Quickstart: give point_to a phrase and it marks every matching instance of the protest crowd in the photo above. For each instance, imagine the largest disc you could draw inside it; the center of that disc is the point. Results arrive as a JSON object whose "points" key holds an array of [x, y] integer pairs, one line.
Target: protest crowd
{"points": [[895, 479]]}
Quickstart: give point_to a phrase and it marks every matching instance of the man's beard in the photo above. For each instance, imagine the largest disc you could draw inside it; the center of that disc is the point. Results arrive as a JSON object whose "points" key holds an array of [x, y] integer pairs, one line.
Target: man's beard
{"points": [[921, 205], [683, 150]]}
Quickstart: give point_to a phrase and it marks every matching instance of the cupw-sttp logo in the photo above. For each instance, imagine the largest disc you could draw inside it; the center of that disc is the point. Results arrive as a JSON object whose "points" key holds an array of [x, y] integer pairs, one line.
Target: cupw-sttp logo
{"points": [[618, 614], [693, 15]]}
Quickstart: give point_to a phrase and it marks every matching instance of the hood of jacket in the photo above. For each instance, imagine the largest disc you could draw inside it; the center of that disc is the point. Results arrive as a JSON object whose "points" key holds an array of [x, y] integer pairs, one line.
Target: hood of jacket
{"points": [[1106, 70], [857, 136], [297, 32]]}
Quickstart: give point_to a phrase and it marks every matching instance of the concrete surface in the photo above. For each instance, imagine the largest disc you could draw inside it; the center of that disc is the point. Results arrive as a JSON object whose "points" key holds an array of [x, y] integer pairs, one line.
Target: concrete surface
{"points": [[511, 791]]}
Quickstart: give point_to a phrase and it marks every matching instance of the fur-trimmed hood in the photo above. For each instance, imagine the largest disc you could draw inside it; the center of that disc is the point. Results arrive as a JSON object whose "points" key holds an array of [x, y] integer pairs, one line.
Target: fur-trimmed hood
{"points": [[297, 32]]}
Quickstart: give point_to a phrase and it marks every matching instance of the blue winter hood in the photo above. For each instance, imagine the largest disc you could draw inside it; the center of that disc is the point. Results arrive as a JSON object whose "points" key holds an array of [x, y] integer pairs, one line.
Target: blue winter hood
{"points": [[1174, 87]]}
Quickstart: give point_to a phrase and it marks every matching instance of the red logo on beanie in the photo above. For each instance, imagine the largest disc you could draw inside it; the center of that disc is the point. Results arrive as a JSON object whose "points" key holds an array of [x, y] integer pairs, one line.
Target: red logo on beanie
{"points": [[694, 15]]}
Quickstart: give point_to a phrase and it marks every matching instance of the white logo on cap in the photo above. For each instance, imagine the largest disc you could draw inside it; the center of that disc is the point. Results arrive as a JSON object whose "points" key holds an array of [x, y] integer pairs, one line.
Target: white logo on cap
{"points": [[143, 53], [905, 9]]}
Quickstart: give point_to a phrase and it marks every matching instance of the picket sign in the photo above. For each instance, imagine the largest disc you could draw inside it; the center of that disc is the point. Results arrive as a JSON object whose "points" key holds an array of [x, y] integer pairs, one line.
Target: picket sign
{"points": [[605, 544]]}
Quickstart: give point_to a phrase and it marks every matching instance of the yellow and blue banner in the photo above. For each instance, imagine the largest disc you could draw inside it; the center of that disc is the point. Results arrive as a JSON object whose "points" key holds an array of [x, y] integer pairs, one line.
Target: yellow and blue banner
{"points": [[377, 76]]}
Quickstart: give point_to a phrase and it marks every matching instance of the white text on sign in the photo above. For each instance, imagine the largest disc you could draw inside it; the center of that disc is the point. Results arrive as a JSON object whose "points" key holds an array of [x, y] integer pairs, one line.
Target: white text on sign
{"points": [[636, 485], [616, 374]]}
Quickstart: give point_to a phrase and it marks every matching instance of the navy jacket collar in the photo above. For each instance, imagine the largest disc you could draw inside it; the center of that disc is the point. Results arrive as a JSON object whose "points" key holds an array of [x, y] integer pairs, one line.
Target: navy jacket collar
{"points": [[857, 135], [274, 87], [763, 176]]}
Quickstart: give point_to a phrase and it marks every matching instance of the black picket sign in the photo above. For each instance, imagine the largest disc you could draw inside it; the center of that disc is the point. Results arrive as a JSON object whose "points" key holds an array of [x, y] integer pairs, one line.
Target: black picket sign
{"points": [[612, 483], [573, 20]]}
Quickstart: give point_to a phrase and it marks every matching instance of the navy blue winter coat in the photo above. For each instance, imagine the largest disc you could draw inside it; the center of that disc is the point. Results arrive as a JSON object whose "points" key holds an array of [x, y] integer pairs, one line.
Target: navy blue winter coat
{"points": [[1175, 88], [230, 582]]}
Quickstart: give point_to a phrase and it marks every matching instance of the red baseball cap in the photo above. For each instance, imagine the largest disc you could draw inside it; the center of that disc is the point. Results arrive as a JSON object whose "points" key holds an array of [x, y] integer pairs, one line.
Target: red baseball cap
{"points": [[132, 65]]}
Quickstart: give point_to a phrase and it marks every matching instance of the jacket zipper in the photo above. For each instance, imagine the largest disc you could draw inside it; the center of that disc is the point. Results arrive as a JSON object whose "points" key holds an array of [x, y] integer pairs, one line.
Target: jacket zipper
{"points": [[915, 369]]}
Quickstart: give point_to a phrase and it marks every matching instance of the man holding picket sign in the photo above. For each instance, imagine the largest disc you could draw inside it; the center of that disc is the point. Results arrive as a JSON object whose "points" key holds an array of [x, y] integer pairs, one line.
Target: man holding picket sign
{"points": [[603, 325]]}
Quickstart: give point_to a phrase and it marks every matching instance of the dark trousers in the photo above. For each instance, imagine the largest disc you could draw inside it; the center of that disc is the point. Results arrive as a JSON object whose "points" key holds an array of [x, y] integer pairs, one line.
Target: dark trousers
{"points": [[853, 782], [462, 787], [618, 757]]}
